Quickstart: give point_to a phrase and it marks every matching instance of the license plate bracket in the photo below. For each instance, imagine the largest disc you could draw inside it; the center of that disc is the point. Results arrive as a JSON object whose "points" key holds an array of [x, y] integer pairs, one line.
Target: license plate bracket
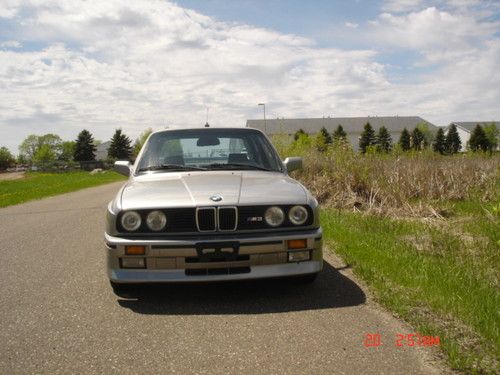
{"points": [[225, 251]]}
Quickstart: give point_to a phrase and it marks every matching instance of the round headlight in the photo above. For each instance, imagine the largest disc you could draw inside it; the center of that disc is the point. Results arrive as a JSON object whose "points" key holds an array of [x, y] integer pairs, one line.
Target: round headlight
{"points": [[131, 220], [298, 215], [274, 216], [156, 220]]}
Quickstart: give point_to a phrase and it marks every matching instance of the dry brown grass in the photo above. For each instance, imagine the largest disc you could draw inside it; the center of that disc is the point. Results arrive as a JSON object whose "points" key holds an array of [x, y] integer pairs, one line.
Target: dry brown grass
{"points": [[404, 184]]}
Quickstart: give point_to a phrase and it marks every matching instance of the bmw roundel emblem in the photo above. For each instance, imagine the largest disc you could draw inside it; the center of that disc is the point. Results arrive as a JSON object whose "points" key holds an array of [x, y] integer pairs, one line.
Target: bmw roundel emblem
{"points": [[216, 198]]}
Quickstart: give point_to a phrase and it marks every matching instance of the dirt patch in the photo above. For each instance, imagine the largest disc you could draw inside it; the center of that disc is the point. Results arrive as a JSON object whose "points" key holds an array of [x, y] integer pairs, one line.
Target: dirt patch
{"points": [[11, 176]]}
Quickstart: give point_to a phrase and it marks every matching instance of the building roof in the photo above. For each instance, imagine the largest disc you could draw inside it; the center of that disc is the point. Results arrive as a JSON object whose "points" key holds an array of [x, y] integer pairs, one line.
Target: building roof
{"points": [[350, 124], [470, 125]]}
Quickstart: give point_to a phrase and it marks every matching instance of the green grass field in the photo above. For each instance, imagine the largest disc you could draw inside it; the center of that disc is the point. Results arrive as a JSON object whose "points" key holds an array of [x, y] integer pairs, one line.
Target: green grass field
{"points": [[37, 185], [442, 276]]}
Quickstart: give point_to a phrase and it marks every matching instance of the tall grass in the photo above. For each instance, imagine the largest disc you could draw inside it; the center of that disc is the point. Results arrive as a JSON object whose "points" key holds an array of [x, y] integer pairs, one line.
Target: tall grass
{"points": [[442, 276], [409, 184]]}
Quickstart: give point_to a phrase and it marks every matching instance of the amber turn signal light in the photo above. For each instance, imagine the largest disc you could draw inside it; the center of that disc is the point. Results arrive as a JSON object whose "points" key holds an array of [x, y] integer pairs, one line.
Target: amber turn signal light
{"points": [[297, 244], [135, 250]]}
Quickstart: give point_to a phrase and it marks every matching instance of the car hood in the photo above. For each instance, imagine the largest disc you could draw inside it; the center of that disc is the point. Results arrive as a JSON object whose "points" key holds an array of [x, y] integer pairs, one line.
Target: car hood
{"points": [[191, 189]]}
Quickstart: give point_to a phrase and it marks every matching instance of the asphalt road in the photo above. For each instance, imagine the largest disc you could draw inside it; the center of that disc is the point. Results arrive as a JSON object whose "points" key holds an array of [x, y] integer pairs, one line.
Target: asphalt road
{"points": [[59, 315]]}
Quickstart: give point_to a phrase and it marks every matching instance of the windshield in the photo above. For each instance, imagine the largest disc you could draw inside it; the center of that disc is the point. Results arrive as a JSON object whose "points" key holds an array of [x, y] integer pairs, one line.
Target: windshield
{"points": [[208, 149]]}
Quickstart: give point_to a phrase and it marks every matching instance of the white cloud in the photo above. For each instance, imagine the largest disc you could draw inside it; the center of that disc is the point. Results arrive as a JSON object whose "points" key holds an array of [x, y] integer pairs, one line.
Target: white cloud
{"points": [[10, 44], [144, 64], [431, 29], [154, 63], [351, 25]]}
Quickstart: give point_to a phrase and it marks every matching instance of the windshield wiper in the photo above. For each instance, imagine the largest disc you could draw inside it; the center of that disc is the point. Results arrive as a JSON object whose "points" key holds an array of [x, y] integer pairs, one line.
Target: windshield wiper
{"points": [[170, 167], [237, 166]]}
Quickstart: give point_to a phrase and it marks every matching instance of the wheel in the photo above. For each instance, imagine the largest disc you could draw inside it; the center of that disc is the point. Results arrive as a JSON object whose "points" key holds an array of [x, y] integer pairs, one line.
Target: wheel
{"points": [[123, 290], [307, 279]]}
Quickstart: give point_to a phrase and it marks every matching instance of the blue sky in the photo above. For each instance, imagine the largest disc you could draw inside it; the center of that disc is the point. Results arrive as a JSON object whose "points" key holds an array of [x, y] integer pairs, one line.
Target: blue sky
{"points": [[312, 19], [67, 65]]}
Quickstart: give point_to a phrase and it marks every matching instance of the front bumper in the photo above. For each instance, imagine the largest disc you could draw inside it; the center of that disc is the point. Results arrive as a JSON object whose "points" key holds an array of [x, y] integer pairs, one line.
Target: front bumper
{"points": [[177, 260]]}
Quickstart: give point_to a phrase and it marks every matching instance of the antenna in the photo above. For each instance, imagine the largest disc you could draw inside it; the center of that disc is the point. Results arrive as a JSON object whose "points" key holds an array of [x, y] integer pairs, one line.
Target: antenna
{"points": [[206, 124]]}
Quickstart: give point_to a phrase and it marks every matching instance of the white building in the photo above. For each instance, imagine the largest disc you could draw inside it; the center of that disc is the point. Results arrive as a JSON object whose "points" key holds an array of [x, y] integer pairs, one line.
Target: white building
{"points": [[465, 129], [353, 126], [101, 152]]}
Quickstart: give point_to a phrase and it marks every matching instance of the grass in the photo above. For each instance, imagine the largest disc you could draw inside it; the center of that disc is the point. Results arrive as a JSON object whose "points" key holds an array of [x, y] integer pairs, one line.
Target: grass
{"points": [[423, 231], [442, 277], [37, 185], [397, 184]]}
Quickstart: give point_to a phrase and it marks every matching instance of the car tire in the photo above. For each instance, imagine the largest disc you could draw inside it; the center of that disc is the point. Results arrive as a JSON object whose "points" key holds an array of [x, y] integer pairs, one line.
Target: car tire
{"points": [[123, 290]]}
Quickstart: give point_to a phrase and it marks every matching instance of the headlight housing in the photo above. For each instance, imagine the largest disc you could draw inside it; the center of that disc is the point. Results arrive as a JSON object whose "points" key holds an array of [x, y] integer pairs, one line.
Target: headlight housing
{"points": [[131, 221], [298, 215], [156, 221], [274, 216]]}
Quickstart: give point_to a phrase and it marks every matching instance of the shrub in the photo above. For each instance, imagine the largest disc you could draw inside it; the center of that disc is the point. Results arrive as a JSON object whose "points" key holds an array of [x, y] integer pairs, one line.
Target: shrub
{"points": [[396, 183]]}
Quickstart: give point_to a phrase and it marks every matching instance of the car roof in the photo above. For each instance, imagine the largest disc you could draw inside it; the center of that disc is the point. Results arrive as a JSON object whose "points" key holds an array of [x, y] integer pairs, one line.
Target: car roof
{"points": [[217, 128]]}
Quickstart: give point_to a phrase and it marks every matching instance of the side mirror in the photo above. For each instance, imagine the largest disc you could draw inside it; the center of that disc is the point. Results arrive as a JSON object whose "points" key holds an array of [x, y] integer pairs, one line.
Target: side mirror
{"points": [[122, 167], [293, 163]]}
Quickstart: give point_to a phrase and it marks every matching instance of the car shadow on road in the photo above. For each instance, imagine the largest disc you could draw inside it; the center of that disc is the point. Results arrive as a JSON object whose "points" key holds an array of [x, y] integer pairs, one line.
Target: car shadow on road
{"points": [[330, 290]]}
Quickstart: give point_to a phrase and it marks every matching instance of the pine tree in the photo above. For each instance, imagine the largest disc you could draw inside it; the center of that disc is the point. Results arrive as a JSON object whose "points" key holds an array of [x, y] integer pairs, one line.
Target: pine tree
{"points": [[326, 135], [453, 142], [84, 147], [405, 140], [120, 148], [478, 140], [384, 140], [439, 144], [339, 134], [298, 133], [417, 139], [367, 138]]}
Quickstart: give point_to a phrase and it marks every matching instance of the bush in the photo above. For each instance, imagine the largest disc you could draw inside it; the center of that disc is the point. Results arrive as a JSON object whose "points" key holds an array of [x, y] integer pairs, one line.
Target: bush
{"points": [[410, 183]]}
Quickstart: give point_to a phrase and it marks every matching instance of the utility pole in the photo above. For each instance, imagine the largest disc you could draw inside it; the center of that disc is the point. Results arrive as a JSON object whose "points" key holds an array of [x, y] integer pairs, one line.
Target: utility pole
{"points": [[265, 121]]}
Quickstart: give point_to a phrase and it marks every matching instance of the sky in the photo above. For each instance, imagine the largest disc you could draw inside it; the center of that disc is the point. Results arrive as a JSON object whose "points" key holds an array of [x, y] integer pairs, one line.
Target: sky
{"points": [[102, 65]]}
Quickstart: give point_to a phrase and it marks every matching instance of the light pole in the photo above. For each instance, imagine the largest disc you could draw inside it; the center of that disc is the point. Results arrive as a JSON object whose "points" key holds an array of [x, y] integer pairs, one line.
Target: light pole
{"points": [[265, 122]]}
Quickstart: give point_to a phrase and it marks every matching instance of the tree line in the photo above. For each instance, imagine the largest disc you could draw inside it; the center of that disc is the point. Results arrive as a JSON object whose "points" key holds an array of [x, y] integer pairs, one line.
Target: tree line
{"points": [[50, 148], [420, 138]]}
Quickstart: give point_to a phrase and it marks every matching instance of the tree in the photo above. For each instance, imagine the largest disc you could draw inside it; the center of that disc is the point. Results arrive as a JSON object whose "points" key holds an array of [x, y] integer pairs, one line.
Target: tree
{"points": [[405, 140], [320, 142], [139, 142], [68, 150], [120, 148], [439, 144], [453, 142], [84, 147], [32, 144], [339, 134], [6, 158], [492, 133], [326, 135], [384, 140], [298, 133], [367, 138], [44, 154], [427, 133], [478, 140], [21, 159], [417, 139]]}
